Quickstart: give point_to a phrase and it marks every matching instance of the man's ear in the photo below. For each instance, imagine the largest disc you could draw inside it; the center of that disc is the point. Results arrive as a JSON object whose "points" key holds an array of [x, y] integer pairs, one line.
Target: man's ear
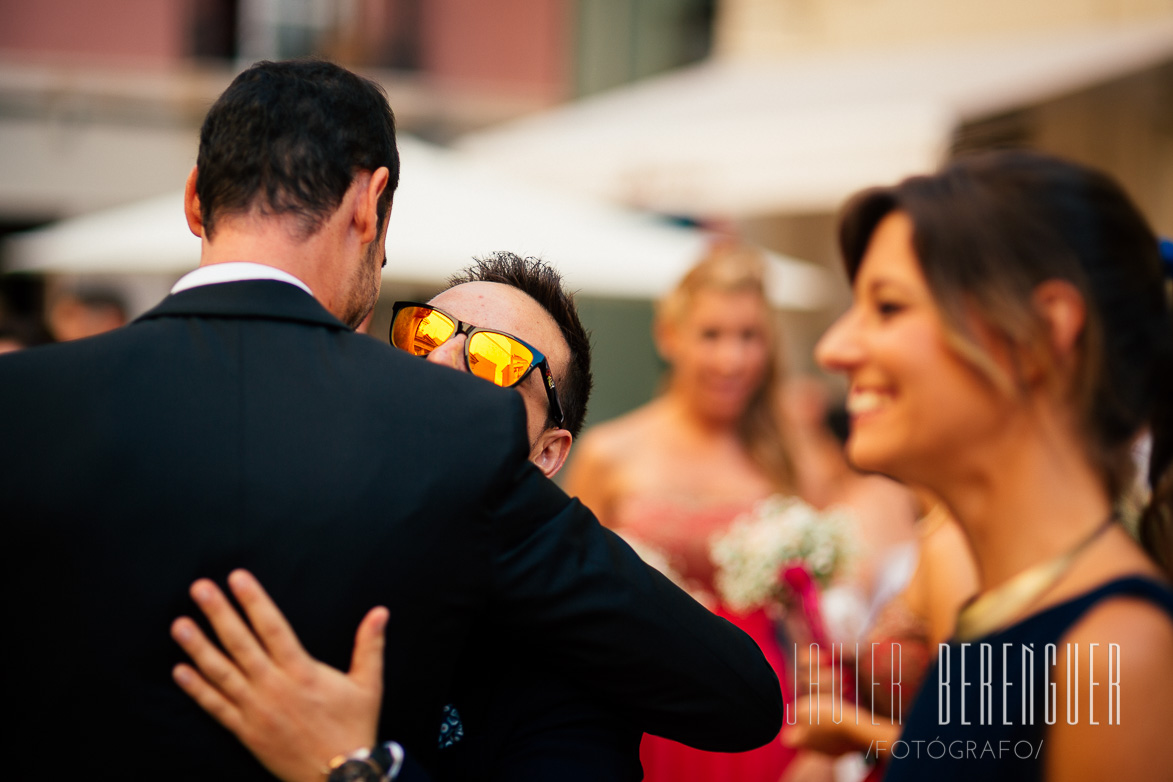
{"points": [[550, 450], [366, 212], [191, 205]]}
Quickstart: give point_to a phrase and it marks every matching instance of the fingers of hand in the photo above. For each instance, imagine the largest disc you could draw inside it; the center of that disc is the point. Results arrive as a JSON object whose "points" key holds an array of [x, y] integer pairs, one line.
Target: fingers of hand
{"points": [[267, 620], [217, 674], [236, 637], [795, 735], [208, 697], [366, 664]]}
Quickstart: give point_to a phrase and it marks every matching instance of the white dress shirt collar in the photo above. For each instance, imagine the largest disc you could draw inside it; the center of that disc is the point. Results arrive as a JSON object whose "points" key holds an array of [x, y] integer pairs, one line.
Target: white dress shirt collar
{"points": [[236, 271]]}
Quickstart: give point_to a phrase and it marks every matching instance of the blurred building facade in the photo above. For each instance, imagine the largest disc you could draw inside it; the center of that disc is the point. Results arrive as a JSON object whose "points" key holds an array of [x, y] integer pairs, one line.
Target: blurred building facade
{"points": [[769, 28], [1122, 122], [100, 103], [803, 102]]}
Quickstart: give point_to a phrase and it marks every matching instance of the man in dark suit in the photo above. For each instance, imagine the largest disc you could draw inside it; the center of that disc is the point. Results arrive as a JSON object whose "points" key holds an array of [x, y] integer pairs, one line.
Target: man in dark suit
{"points": [[242, 423], [507, 721]]}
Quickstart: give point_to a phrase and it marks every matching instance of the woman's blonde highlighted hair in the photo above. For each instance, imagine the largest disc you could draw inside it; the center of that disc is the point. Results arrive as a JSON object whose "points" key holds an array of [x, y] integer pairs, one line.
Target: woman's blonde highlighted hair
{"points": [[732, 267]]}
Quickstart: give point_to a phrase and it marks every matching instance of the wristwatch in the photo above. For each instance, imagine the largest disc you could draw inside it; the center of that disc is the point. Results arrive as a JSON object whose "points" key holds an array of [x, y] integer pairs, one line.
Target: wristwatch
{"points": [[380, 764]]}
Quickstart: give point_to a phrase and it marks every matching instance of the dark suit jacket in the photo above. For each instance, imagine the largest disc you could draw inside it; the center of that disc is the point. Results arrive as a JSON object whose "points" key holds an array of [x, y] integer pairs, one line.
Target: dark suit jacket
{"points": [[241, 425]]}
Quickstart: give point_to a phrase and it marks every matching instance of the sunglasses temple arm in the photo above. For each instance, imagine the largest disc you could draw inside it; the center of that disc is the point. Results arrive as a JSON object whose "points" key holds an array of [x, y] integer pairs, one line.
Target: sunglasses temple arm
{"points": [[552, 393]]}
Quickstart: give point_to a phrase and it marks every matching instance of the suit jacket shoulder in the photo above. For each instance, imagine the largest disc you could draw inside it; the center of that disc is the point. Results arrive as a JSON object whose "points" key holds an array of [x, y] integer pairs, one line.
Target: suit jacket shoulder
{"points": [[237, 425]]}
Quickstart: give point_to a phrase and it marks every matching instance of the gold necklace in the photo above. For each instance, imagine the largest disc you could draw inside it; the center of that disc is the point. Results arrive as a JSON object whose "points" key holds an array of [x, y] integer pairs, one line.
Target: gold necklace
{"points": [[986, 613]]}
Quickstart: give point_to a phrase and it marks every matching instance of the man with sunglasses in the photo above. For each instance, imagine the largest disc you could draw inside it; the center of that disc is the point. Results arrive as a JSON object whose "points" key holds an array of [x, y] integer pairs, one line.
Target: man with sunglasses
{"points": [[242, 423], [507, 320], [520, 723], [516, 723]]}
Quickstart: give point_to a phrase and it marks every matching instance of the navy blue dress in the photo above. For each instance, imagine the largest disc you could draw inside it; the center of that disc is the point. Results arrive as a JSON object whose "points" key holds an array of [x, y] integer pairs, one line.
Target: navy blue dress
{"points": [[936, 744]]}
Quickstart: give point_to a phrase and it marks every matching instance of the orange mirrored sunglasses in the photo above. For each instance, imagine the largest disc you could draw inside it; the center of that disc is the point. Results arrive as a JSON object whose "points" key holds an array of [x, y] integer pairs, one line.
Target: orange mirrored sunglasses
{"points": [[500, 358]]}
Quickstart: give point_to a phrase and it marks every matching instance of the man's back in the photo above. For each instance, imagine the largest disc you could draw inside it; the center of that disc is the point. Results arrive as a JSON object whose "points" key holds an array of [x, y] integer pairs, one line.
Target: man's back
{"points": [[240, 425], [342, 473]]}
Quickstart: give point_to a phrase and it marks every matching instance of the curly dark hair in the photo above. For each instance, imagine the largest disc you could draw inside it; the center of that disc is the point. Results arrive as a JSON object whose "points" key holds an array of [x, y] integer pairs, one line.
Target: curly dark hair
{"points": [[542, 283]]}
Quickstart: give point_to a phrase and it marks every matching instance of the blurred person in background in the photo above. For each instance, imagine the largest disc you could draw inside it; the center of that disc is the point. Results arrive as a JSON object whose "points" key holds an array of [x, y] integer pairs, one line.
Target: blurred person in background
{"points": [[865, 602], [884, 512], [671, 474], [913, 610], [909, 573], [85, 312], [1010, 339], [21, 322], [19, 333]]}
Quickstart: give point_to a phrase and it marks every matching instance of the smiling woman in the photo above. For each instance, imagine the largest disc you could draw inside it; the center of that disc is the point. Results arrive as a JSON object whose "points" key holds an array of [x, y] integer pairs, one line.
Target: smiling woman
{"points": [[1009, 341], [914, 403]]}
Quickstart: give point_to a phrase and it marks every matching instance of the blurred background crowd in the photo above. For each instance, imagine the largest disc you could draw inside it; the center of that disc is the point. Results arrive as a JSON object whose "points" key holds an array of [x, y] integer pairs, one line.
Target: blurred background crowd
{"points": [[625, 142]]}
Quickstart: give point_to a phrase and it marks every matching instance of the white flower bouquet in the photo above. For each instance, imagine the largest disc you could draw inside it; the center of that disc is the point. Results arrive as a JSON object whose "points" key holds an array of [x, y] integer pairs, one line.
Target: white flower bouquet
{"points": [[778, 554]]}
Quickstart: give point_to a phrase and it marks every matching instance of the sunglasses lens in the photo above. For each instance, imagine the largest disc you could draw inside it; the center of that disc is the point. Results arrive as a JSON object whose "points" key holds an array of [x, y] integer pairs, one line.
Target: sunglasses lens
{"points": [[420, 330], [499, 359]]}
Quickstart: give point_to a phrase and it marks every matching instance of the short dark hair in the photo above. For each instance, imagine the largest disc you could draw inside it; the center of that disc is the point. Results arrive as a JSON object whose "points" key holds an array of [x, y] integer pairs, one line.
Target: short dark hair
{"points": [[289, 138], [542, 283], [987, 229]]}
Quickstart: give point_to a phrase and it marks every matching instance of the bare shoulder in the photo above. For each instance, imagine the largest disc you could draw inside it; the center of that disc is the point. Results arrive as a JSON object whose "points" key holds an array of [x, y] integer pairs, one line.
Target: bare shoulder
{"points": [[884, 510], [1118, 660], [1141, 628], [886, 492], [613, 441], [601, 457]]}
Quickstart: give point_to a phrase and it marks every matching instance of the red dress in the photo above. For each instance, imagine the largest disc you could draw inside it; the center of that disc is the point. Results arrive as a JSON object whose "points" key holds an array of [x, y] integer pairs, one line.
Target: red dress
{"points": [[681, 533]]}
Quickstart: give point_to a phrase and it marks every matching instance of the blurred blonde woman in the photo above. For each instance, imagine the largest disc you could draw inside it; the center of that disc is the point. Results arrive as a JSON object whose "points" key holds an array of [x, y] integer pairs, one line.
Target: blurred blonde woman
{"points": [[671, 474]]}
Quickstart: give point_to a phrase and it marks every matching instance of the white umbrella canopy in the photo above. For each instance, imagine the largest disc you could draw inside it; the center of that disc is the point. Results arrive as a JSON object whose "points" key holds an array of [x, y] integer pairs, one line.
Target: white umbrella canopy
{"points": [[145, 237], [446, 211], [801, 133]]}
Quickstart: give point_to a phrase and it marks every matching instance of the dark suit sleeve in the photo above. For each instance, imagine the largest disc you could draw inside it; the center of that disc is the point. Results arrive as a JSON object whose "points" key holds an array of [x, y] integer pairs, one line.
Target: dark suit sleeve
{"points": [[411, 771], [583, 603]]}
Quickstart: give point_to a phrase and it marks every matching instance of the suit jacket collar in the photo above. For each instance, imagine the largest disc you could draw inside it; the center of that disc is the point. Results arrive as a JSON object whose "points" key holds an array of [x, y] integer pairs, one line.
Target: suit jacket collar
{"points": [[268, 299]]}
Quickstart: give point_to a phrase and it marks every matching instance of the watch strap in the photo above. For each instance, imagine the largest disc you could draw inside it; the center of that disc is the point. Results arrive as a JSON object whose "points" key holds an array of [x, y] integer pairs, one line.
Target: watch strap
{"points": [[380, 764]]}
